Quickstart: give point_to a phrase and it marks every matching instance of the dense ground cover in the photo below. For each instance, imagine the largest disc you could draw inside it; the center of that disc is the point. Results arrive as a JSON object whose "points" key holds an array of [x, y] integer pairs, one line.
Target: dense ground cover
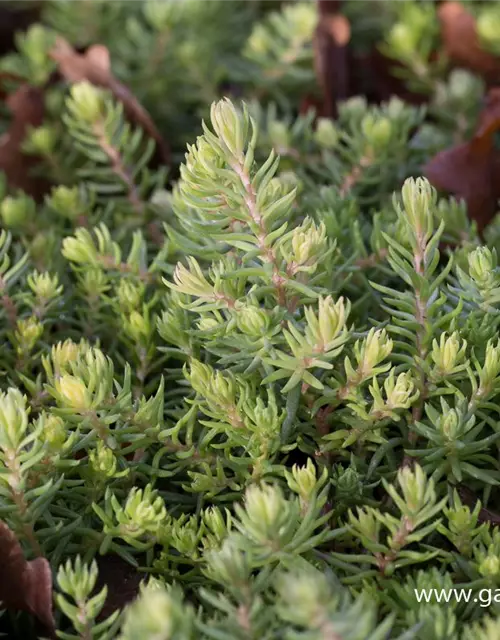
{"points": [[250, 366]]}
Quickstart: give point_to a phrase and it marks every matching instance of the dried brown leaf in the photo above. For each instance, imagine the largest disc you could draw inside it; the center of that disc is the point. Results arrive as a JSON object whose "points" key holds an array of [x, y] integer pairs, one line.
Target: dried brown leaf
{"points": [[94, 66], [13, 20], [380, 78], [27, 108], [122, 581], [338, 28], [461, 40], [331, 38], [25, 586], [472, 170]]}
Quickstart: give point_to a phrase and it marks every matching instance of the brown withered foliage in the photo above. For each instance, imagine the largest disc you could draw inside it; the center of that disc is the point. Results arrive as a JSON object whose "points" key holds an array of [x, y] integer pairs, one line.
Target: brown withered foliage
{"points": [[342, 72], [122, 581], [26, 105], [472, 170], [94, 66], [13, 19], [25, 586], [27, 108], [461, 43], [331, 56]]}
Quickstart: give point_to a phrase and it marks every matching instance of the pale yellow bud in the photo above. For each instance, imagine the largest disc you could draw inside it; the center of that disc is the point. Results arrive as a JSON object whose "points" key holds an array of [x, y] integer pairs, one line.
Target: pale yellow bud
{"points": [[323, 329], [208, 324], [399, 390], [482, 263], [490, 566], [73, 392], [136, 326], [86, 101], [252, 321], [28, 332], [308, 243], [450, 425], [448, 353]]}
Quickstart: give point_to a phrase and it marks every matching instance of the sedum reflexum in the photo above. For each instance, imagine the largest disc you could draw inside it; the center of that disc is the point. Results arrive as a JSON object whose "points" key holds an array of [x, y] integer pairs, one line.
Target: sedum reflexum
{"points": [[267, 386], [232, 351]]}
